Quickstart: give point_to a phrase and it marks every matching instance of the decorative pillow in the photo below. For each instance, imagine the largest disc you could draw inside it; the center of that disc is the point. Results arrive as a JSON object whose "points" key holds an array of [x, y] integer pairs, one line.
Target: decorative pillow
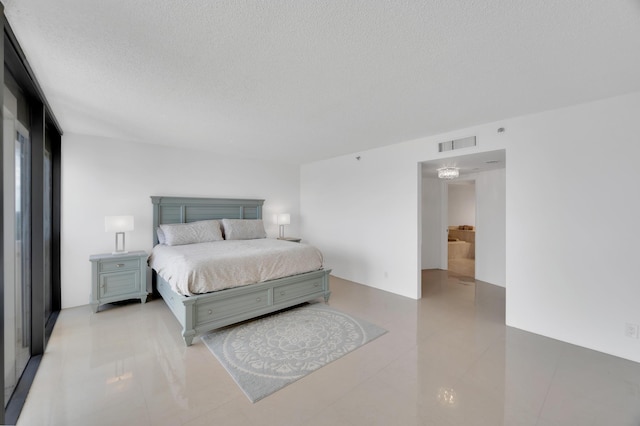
{"points": [[243, 229], [161, 238], [204, 231]]}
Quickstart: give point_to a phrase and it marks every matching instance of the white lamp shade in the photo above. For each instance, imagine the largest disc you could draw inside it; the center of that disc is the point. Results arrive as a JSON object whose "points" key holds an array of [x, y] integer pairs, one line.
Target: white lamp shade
{"points": [[118, 223], [284, 219]]}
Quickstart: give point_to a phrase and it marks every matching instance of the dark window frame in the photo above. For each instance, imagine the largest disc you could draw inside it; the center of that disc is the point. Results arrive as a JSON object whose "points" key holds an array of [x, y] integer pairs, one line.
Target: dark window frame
{"points": [[44, 127]]}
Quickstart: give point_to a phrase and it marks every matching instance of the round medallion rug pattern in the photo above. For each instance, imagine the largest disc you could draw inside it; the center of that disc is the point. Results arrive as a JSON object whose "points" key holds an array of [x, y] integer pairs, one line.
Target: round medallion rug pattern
{"points": [[292, 345], [267, 354]]}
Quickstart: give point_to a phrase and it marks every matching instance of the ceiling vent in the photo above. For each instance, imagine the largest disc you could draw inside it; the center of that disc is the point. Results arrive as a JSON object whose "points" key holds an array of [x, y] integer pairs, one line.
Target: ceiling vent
{"points": [[457, 144]]}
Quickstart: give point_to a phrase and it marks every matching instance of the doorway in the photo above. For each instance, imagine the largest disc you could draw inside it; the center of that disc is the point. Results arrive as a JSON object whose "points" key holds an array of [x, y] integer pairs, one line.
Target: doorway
{"points": [[461, 227], [486, 171]]}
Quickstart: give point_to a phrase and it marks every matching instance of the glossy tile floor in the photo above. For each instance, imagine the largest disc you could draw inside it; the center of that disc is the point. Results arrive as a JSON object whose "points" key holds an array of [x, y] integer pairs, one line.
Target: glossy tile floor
{"points": [[448, 359], [462, 266]]}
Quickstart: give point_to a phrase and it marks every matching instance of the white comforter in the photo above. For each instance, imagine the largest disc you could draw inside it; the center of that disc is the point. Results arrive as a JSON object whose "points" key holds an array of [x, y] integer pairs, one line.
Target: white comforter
{"points": [[204, 267]]}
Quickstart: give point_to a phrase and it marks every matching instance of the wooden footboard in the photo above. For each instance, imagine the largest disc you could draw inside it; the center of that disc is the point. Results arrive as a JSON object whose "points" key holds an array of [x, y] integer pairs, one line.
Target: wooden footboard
{"points": [[206, 312]]}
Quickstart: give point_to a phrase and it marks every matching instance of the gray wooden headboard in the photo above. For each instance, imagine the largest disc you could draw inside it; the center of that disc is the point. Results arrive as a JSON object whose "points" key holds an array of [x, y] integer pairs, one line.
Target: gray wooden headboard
{"points": [[184, 210]]}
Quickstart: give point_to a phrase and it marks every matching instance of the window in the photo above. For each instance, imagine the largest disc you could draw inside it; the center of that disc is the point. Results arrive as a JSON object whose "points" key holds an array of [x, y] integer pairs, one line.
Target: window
{"points": [[30, 210]]}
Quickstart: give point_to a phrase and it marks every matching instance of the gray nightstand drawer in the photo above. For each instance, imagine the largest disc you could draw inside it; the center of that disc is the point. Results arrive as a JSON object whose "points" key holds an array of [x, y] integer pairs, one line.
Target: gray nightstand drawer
{"points": [[119, 265], [119, 284]]}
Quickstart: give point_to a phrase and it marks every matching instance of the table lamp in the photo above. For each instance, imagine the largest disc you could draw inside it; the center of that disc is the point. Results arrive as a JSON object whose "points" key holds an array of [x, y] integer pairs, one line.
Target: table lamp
{"points": [[119, 225]]}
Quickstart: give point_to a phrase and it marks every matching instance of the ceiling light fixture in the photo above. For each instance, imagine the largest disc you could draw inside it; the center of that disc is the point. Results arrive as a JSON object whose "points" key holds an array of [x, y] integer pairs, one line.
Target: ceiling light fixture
{"points": [[448, 173]]}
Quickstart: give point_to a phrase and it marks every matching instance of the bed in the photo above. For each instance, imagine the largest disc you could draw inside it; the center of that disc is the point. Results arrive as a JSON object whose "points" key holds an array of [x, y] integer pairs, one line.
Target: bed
{"points": [[200, 313]]}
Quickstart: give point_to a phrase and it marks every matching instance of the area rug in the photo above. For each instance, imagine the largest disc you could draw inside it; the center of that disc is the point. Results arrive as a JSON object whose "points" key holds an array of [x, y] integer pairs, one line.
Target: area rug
{"points": [[269, 353]]}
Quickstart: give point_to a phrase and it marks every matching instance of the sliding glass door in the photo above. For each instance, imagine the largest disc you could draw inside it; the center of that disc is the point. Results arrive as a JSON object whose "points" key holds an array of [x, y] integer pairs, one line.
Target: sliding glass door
{"points": [[30, 218], [17, 277], [47, 227], [22, 281]]}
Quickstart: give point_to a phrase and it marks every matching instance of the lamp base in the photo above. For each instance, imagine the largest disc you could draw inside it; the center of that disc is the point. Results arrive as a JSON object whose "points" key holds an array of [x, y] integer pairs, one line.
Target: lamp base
{"points": [[119, 248]]}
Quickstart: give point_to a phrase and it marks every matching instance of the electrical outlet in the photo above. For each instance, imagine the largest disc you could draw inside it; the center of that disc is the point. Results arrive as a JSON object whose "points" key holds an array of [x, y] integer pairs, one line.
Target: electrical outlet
{"points": [[631, 330]]}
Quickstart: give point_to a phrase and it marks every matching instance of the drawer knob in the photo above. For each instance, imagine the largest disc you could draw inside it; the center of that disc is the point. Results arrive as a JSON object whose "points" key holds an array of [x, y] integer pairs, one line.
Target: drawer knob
{"points": [[282, 293], [209, 311], [316, 284], [119, 265], [259, 299]]}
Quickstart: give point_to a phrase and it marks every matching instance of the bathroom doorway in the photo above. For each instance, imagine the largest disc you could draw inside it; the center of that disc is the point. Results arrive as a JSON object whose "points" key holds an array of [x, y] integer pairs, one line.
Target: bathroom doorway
{"points": [[461, 227]]}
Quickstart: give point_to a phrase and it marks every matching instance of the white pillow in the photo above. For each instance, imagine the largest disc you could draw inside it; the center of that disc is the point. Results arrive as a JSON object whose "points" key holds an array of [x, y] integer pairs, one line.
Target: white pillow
{"points": [[203, 231], [160, 234], [243, 229]]}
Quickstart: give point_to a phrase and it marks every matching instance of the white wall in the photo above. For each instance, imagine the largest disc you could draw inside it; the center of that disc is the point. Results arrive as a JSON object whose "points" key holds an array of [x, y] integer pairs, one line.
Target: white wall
{"points": [[431, 224], [462, 204], [491, 226], [571, 188], [362, 220], [572, 208], [102, 177]]}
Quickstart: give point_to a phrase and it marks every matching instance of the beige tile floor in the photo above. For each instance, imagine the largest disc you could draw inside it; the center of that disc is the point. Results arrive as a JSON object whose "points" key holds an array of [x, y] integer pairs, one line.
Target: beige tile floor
{"points": [[448, 359]]}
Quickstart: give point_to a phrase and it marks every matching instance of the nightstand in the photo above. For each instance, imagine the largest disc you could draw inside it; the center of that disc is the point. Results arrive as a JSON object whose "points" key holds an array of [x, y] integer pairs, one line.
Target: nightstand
{"points": [[116, 277], [292, 239]]}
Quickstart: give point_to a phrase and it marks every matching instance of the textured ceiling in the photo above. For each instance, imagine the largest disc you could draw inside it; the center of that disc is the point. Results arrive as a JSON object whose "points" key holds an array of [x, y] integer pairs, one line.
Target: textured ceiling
{"points": [[299, 81]]}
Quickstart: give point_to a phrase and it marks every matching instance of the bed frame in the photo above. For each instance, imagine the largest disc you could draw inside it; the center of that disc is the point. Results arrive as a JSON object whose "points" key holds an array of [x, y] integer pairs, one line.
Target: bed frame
{"points": [[206, 312]]}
